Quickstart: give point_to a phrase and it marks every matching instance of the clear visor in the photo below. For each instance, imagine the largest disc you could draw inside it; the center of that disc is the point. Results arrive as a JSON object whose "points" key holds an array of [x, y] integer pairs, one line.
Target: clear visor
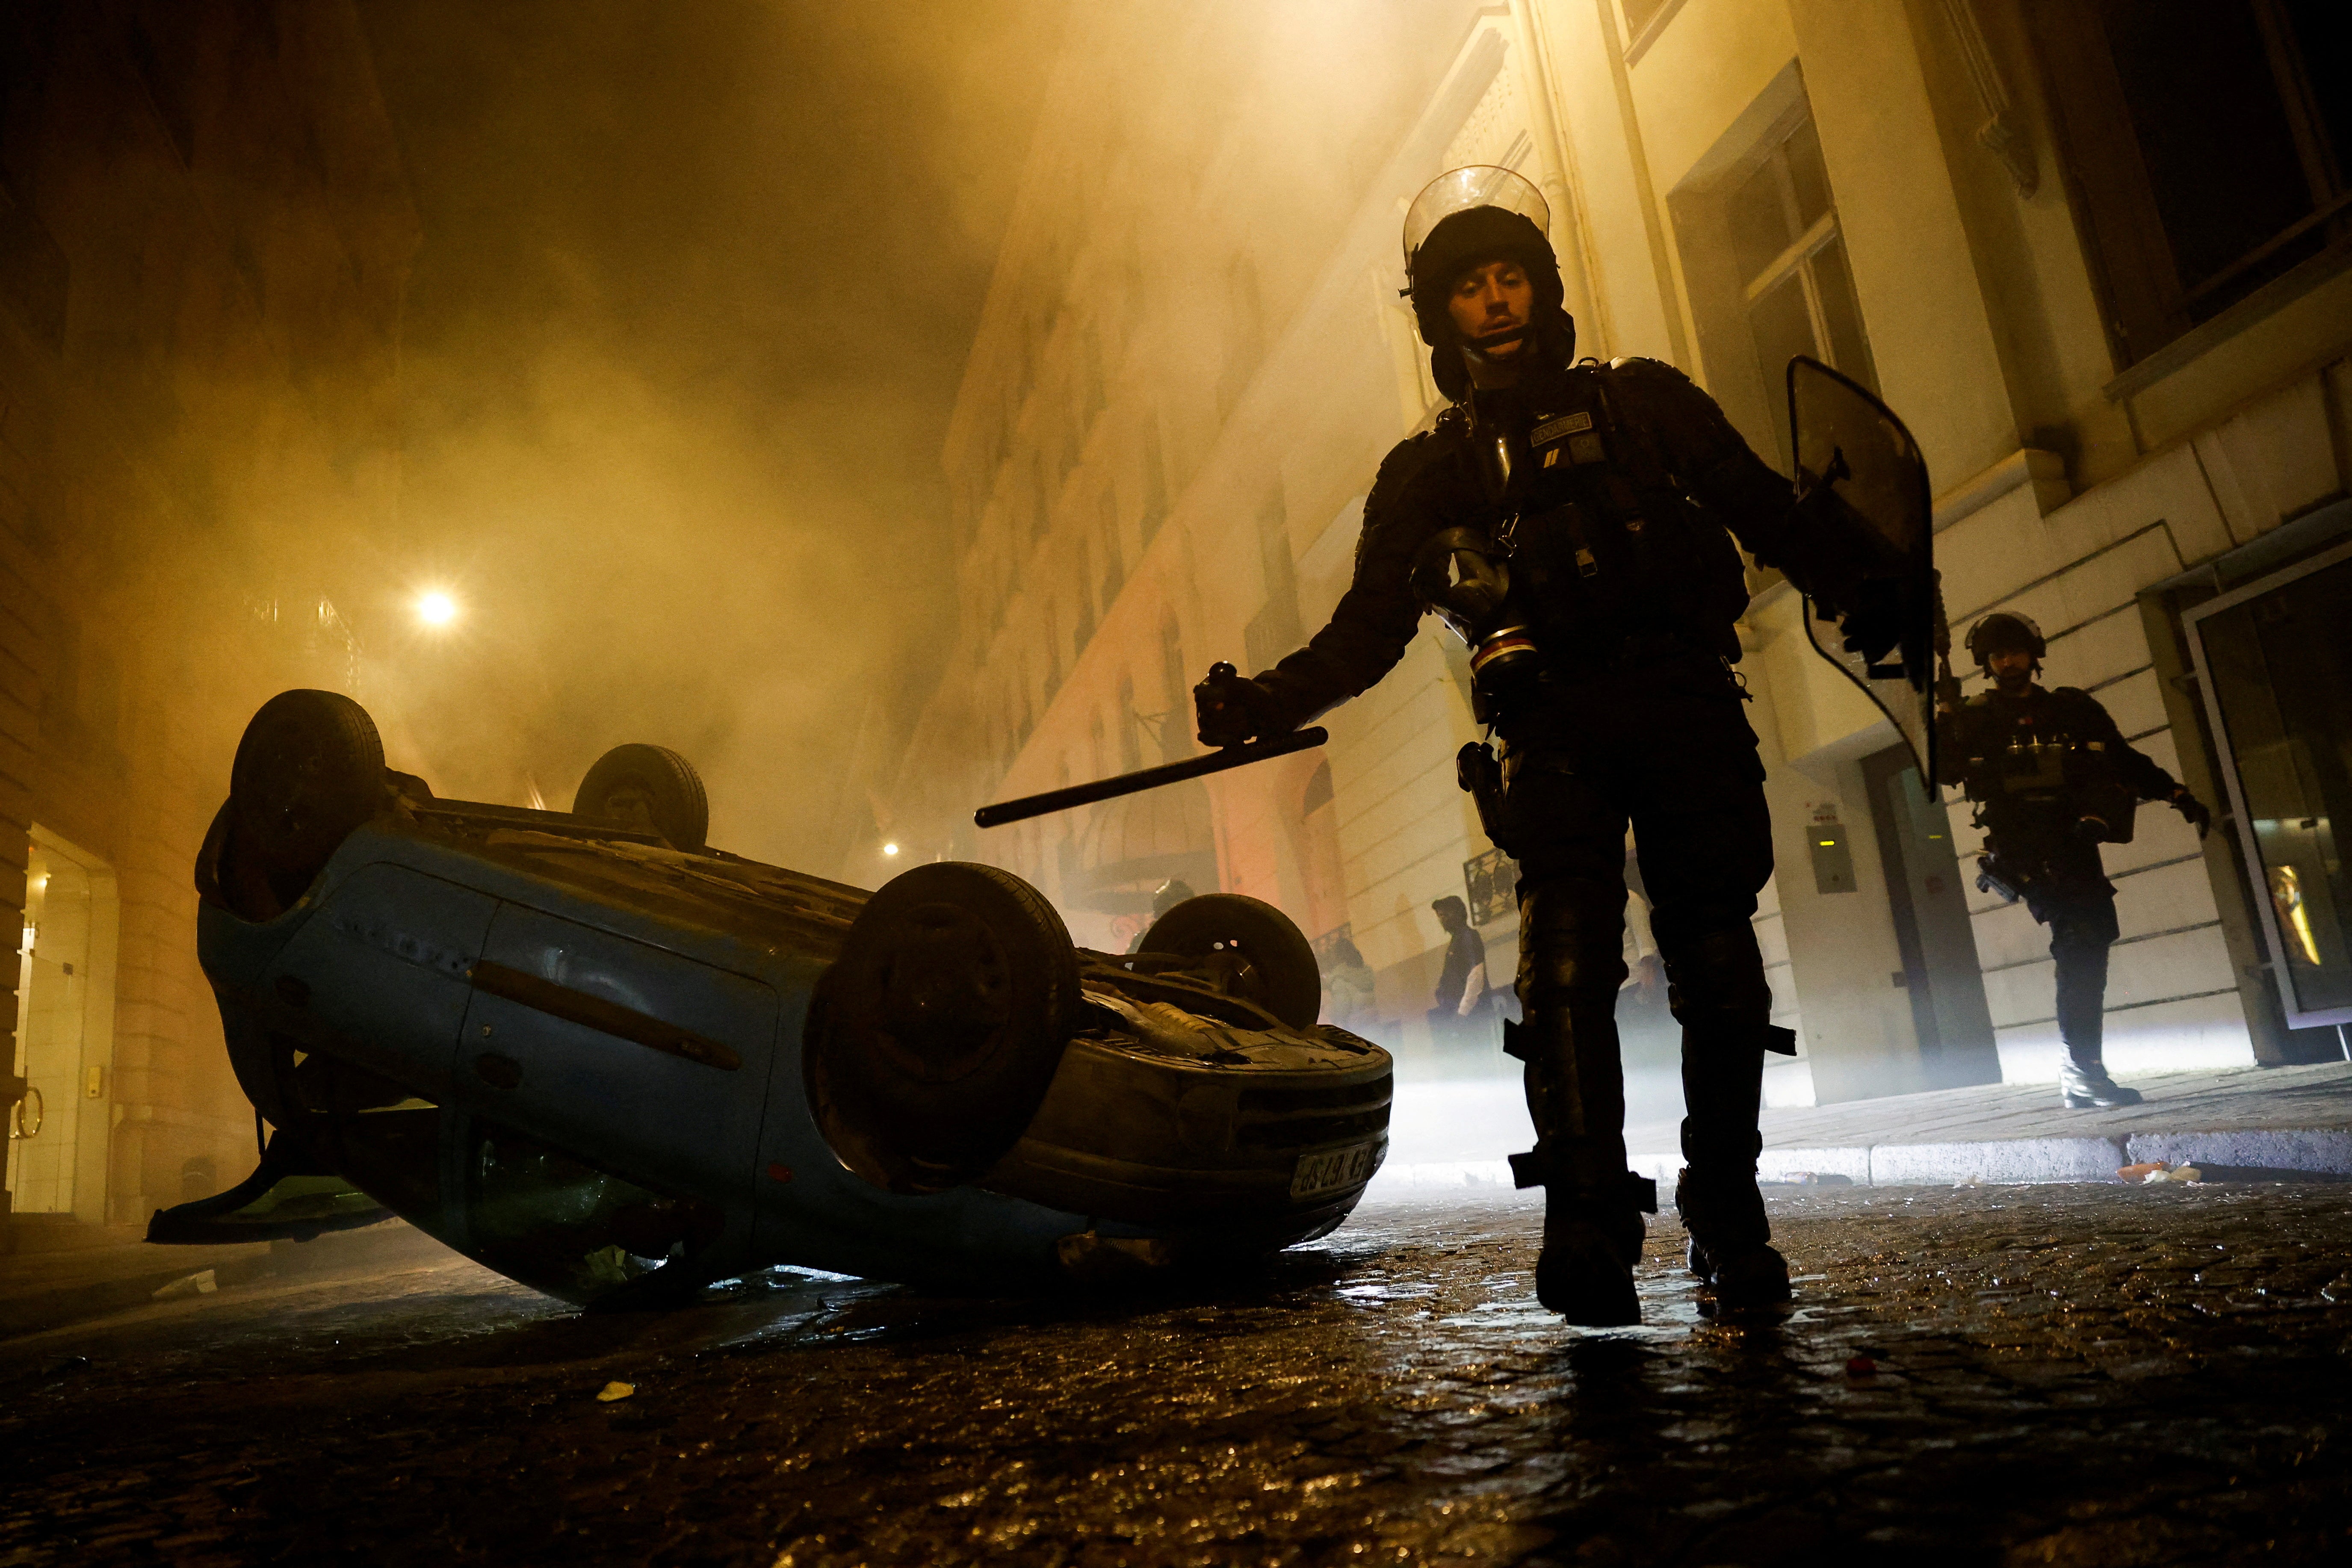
{"points": [[1479, 186]]}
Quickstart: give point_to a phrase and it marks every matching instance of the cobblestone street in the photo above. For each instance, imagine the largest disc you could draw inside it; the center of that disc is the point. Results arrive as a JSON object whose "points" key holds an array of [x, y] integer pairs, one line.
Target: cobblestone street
{"points": [[2069, 1374]]}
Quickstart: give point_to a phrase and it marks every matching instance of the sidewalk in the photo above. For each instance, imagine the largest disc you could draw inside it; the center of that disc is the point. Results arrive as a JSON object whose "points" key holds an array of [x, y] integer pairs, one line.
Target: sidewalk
{"points": [[2251, 1124], [47, 1289]]}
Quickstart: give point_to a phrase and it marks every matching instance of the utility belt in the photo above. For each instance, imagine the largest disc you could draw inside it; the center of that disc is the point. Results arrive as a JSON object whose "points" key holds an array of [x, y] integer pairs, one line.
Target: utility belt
{"points": [[1480, 772], [1569, 662]]}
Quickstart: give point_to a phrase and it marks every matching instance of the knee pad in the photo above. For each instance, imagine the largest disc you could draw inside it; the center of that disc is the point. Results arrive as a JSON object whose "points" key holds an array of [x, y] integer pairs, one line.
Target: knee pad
{"points": [[1571, 944], [1716, 982]]}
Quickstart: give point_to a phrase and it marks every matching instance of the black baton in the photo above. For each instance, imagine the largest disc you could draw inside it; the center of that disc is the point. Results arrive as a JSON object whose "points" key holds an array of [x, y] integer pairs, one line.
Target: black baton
{"points": [[1216, 761]]}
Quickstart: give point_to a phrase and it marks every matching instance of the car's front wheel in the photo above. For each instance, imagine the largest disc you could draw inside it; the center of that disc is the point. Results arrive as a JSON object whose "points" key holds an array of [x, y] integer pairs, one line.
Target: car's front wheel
{"points": [[939, 1026], [308, 772]]}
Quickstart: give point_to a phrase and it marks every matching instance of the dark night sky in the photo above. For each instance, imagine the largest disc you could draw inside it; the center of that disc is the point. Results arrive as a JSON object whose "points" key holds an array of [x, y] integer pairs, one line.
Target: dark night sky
{"points": [[696, 285]]}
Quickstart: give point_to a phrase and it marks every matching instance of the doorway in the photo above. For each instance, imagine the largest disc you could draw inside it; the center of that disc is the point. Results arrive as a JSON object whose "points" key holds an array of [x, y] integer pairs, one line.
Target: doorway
{"points": [[1931, 925], [65, 1033], [2273, 659]]}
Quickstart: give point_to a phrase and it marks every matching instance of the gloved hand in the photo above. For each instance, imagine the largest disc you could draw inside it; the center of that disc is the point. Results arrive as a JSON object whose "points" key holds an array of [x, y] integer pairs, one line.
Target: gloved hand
{"points": [[1884, 608], [1231, 708], [2197, 814]]}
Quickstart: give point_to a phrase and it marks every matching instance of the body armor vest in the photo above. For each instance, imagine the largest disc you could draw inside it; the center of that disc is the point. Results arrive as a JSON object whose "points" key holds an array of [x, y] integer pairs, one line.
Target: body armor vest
{"points": [[1598, 559], [2038, 783]]}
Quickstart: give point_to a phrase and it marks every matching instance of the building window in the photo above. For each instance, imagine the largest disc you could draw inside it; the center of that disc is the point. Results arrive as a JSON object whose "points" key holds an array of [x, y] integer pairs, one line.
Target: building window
{"points": [[1272, 632], [1085, 597], [1114, 575], [1130, 732], [1175, 727], [2206, 139], [1792, 264], [1155, 482]]}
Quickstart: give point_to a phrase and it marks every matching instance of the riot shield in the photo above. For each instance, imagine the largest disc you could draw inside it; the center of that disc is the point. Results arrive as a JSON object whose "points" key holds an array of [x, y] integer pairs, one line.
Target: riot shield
{"points": [[1852, 449]]}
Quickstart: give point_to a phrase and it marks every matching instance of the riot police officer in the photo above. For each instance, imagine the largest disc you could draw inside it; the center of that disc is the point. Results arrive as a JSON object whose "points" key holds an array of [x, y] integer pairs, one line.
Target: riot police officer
{"points": [[2053, 779], [1574, 523]]}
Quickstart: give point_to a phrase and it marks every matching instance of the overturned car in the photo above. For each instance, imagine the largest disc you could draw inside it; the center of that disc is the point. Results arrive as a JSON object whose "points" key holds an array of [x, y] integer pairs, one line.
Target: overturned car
{"points": [[610, 1062]]}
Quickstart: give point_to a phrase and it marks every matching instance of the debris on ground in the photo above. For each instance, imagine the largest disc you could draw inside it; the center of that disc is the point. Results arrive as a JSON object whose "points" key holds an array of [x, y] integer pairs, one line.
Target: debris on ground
{"points": [[612, 1391], [202, 1283], [2157, 1171]]}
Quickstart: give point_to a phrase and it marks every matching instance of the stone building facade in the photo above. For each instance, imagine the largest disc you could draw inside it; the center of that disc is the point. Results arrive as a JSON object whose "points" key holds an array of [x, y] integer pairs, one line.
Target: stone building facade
{"points": [[204, 236], [2122, 345]]}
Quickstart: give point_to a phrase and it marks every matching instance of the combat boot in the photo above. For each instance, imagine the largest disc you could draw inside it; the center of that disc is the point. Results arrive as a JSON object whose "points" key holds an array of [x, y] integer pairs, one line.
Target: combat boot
{"points": [[1723, 1084], [1730, 1246], [2085, 1084], [1593, 1229]]}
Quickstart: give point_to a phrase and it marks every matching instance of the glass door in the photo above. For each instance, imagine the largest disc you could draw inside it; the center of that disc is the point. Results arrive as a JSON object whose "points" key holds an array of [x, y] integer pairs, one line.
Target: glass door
{"points": [[65, 1013], [2274, 659]]}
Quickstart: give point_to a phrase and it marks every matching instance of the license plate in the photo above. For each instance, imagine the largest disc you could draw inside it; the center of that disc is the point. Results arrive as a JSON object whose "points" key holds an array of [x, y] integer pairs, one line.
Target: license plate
{"points": [[1333, 1169]]}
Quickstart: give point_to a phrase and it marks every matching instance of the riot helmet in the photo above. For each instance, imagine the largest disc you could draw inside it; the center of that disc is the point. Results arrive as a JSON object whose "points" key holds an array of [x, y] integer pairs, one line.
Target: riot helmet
{"points": [[2004, 630], [1465, 218]]}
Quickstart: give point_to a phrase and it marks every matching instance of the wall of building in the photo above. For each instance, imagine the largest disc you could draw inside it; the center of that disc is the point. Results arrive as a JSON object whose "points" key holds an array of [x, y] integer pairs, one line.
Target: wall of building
{"points": [[207, 235]]}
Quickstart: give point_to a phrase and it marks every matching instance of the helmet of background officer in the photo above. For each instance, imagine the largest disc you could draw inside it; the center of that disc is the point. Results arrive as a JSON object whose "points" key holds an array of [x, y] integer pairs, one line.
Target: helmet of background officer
{"points": [[2009, 647], [1468, 230], [1170, 893]]}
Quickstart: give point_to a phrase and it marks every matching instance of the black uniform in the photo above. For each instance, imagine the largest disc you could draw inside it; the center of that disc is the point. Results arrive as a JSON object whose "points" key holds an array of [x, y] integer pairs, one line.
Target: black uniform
{"points": [[2053, 777], [1466, 954], [1620, 521]]}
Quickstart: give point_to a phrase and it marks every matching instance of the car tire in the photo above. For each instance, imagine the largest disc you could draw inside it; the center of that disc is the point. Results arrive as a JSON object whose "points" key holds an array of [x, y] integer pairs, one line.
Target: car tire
{"points": [[1277, 969], [940, 1027], [648, 787], [308, 772]]}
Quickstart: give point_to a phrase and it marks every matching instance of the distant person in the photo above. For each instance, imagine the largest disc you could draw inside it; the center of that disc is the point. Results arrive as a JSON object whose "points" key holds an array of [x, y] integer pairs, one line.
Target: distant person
{"points": [[1170, 893], [1349, 979], [1166, 897], [2053, 778], [1462, 984]]}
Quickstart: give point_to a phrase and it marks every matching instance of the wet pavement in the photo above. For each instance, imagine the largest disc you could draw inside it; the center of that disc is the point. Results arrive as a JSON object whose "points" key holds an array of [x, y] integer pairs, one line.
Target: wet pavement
{"points": [[2062, 1375]]}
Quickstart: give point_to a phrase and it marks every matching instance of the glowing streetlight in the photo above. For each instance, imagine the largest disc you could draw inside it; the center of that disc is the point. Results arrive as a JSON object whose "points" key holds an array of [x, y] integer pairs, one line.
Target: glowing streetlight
{"points": [[435, 608], [890, 849]]}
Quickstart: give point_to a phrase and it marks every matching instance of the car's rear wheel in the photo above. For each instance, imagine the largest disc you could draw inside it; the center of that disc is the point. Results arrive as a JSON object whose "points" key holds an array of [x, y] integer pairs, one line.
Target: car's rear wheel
{"points": [[308, 772], [939, 1028], [645, 786], [1249, 949]]}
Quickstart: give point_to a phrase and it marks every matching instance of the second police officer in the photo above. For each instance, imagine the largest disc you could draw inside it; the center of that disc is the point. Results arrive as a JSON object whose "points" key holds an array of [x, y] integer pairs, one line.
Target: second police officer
{"points": [[1574, 523], [2053, 779]]}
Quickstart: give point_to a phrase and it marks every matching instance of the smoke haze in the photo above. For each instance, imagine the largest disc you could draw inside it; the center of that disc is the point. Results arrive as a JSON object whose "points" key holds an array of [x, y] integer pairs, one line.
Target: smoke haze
{"points": [[696, 290]]}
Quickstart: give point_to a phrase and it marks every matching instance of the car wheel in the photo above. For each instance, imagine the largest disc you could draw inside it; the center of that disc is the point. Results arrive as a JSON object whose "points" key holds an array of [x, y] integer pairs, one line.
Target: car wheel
{"points": [[309, 770], [1259, 953], [940, 1026], [646, 786]]}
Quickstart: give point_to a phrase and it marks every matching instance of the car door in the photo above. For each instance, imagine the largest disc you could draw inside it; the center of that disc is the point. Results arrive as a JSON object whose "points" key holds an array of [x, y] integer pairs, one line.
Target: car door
{"points": [[377, 977], [619, 1051]]}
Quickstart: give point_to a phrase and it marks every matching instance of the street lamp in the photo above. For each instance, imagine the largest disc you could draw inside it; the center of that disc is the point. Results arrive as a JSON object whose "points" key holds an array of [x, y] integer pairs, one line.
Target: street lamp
{"points": [[435, 608], [890, 849]]}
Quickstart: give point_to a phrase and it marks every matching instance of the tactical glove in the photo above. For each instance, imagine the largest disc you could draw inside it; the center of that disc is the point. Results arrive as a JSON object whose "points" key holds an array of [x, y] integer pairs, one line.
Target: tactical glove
{"points": [[2195, 811], [1882, 610], [1233, 709]]}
